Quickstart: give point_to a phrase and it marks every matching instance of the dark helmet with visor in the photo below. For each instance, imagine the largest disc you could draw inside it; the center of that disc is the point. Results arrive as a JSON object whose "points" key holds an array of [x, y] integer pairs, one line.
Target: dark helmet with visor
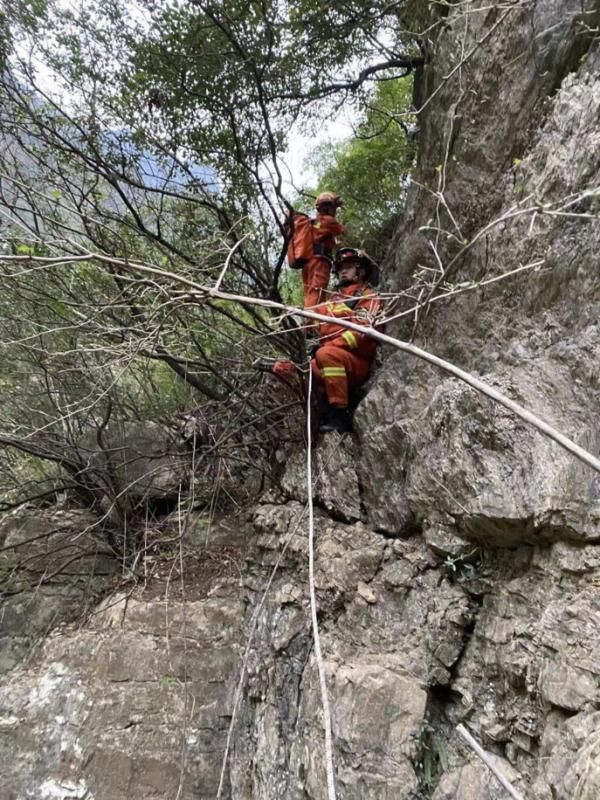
{"points": [[362, 259]]}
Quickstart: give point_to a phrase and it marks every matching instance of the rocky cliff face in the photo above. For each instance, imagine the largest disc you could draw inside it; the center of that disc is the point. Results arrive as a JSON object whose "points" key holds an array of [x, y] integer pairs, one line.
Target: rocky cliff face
{"points": [[457, 550]]}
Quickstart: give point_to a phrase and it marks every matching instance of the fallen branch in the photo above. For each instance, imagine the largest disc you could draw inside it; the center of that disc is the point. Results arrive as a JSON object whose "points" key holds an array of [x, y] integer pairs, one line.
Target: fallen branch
{"points": [[200, 294], [476, 747]]}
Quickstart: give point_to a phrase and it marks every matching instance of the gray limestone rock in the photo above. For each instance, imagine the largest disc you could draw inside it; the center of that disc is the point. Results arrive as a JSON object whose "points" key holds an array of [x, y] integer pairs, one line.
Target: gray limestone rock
{"points": [[475, 781], [335, 483], [111, 709], [456, 560], [53, 568], [144, 461]]}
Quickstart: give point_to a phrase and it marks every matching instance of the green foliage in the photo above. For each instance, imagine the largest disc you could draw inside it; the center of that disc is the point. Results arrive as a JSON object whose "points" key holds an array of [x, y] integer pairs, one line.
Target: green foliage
{"points": [[221, 82], [159, 143], [370, 169], [169, 683], [291, 288], [433, 759], [151, 391], [18, 17]]}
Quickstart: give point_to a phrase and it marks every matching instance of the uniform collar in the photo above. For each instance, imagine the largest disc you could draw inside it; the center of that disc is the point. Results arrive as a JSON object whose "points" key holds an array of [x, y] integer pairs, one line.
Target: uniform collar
{"points": [[352, 289]]}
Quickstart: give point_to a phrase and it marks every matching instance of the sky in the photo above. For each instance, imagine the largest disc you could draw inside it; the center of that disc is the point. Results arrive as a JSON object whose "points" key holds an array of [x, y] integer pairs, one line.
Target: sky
{"points": [[331, 132], [297, 171]]}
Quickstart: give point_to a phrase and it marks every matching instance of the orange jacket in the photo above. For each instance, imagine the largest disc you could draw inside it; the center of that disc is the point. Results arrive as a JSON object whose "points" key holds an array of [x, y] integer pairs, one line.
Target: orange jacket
{"points": [[357, 303], [325, 230]]}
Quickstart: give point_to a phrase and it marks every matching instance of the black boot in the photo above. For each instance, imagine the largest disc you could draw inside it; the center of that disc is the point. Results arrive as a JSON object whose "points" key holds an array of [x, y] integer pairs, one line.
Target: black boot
{"points": [[336, 419]]}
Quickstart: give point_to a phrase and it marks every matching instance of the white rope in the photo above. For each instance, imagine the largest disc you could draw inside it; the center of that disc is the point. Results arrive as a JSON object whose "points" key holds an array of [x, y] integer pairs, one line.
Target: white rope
{"points": [[313, 602], [201, 293], [253, 626]]}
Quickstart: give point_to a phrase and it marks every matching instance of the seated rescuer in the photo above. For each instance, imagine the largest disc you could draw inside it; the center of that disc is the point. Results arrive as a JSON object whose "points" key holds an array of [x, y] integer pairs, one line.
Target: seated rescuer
{"points": [[343, 358], [315, 273]]}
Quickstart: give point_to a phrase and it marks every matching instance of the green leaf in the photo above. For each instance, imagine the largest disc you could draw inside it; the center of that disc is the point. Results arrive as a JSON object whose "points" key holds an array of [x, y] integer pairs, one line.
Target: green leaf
{"points": [[25, 249]]}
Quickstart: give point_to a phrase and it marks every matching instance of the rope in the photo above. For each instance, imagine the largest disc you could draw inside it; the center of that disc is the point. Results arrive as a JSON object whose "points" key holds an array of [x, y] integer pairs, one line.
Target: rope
{"points": [[313, 603], [253, 626], [201, 293]]}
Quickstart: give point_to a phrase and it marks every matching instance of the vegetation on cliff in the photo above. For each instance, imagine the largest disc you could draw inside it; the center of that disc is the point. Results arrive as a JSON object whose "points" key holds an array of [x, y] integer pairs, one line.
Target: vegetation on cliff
{"points": [[156, 135]]}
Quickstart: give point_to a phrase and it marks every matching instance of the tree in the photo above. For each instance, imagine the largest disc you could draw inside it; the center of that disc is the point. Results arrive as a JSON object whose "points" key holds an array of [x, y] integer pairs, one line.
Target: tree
{"points": [[157, 138], [370, 170]]}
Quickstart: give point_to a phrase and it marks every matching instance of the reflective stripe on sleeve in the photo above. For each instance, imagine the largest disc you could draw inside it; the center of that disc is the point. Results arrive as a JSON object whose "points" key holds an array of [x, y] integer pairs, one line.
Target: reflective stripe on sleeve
{"points": [[340, 309], [350, 339]]}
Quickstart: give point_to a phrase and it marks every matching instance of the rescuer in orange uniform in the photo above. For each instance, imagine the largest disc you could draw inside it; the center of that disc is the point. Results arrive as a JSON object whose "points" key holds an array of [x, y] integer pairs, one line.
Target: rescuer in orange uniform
{"points": [[315, 273], [343, 358]]}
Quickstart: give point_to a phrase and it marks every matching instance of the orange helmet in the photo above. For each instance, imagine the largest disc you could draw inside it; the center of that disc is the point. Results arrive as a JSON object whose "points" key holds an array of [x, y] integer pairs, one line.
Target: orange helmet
{"points": [[328, 197], [363, 259]]}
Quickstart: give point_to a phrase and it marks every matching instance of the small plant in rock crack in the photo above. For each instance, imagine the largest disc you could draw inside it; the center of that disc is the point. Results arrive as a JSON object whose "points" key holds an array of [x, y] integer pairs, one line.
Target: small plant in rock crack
{"points": [[461, 566], [433, 761], [169, 682]]}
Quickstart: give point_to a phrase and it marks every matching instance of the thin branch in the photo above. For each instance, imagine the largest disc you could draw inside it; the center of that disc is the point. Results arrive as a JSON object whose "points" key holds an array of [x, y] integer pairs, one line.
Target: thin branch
{"points": [[201, 293], [474, 745]]}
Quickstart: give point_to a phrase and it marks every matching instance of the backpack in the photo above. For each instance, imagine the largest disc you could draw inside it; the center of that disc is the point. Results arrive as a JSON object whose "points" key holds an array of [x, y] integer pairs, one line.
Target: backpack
{"points": [[300, 235]]}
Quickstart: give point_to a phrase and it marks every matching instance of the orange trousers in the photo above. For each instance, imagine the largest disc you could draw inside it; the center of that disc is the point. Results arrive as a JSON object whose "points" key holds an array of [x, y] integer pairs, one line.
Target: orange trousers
{"points": [[337, 371], [315, 280]]}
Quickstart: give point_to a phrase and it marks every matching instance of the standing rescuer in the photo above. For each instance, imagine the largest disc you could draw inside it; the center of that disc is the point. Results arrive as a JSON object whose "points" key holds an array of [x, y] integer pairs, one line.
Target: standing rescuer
{"points": [[343, 358], [325, 229]]}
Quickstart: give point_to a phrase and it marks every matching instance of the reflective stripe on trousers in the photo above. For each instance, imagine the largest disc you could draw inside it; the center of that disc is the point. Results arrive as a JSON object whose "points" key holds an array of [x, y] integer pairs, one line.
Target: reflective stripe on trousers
{"points": [[337, 371]]}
